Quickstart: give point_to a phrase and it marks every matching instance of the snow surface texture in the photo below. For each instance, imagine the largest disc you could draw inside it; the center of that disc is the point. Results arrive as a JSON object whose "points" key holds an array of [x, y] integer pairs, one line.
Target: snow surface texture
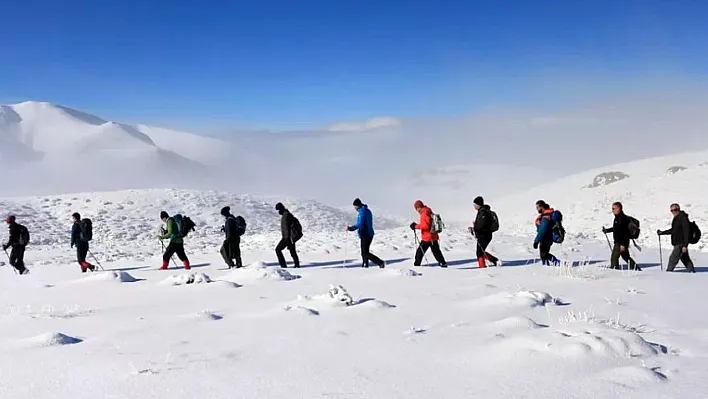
{"points": [[647, 191], [521, 331]]}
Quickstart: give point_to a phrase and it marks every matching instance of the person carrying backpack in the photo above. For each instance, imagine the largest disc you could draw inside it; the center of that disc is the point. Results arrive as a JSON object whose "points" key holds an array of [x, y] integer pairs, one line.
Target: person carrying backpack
{"points": [[231, 249], [289, 234], [483, 230], [680, 232], [429, 239], [365, 227], [81, 244], [544, 233], [18, 240], [176, 244], [621, 236]]}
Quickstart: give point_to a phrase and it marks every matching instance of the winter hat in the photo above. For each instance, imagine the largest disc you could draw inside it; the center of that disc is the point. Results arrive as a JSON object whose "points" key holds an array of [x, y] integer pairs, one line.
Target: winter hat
{"points": [[226, 211], [10, 218], [357, 203], [76, 216], [279, 207], [164, 215], [418, 204], [479, 201]]}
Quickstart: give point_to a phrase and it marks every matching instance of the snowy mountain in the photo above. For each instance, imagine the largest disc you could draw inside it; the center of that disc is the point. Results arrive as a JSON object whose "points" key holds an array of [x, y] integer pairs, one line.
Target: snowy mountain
{"points": [[645, 187]]}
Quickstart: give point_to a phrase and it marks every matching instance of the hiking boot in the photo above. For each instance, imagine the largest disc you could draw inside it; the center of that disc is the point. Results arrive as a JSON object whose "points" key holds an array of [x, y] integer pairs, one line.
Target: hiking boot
{"points": [[443, 265], [26, 271], [92, 268], [383, 264], [165, 265], [186, 265]]}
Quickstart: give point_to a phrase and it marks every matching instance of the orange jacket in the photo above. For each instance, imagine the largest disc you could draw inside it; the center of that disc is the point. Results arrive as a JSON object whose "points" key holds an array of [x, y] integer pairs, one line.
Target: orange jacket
{"points": [[426, 219]]}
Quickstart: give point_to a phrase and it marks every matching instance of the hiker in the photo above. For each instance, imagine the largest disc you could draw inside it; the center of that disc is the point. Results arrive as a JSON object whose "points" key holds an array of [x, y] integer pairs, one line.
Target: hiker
{"points": [[621, 236], [680, 232], [231, 249], [18, 240], [428, 238], [287, 222], [482, 230], [176, 244], [365, 226], [81, 243], [544, 233]]}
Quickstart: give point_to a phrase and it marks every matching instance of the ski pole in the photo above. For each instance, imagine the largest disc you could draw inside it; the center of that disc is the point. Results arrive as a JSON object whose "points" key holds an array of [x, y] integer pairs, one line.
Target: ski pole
{"points": [[163, 251], [97, 262], [608, 241], [420, 248], [10, 261], [661, 255]]}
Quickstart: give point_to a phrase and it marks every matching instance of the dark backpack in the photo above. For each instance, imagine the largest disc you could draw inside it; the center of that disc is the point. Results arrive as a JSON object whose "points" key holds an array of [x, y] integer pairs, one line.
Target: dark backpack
{"points": [[24, 236], [295, 230], [633, 227], [557, 230], [240, 225], [695, 233], [494, 226], [186, 226], [86, 230]]}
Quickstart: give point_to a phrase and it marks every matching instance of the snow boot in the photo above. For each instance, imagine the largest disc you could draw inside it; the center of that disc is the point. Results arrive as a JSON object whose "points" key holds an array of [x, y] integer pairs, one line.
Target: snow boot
{"points": [[383, 264], [165, 265], [186, 265], [481, 262], [86, 266], [494, 260]]}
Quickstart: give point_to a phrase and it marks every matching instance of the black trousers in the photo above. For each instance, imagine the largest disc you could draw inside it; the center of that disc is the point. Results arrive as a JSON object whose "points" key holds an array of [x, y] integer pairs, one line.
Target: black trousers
{"points": [[81, 252], [174, 248], [676, 255], [482, 244], [434, 247], [17, 257], [286, 243], [366, 254], [617, 253], [544, 251], [230, 251]]}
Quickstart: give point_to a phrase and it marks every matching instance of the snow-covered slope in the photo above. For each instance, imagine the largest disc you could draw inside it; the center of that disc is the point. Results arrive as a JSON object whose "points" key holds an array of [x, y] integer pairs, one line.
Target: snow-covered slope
{"points": [[646, 188]]}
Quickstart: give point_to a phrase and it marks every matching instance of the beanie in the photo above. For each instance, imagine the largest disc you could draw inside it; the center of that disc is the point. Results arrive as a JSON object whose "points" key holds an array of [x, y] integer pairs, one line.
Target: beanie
{"points": [[357, 203], [479, 201], [279, 206], [76, 216], [418, 204], [164, 215], [226, 211]]}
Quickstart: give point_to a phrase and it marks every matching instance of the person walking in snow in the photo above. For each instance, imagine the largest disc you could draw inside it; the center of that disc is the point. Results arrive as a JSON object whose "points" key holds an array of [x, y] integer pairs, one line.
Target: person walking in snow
{"points": [[82, 246], [176, 244], [287, 222], [483, 230], [231, 248], [428, 238], [621, 236], [18, 240], [544, 233], [365, 226], [680, 232]]}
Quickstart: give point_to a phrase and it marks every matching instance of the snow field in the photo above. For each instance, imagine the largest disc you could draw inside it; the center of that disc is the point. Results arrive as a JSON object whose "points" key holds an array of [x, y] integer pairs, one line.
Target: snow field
{"points": [[521, 330]]}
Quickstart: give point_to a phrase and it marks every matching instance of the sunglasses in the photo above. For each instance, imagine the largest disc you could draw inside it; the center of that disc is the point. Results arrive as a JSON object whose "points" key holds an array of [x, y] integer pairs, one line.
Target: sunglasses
{"points": [[673, 210]]}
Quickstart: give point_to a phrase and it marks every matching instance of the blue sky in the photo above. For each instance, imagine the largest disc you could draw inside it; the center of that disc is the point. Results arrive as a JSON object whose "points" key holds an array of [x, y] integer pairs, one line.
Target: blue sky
{"points": [[298, 64]]}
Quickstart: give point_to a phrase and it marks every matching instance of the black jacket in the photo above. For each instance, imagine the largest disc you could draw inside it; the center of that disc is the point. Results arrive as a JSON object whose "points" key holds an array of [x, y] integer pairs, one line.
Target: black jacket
{"points": [[483, 222], [680, 230], [230, 229], [76, 235], [620, 230], [15, 234], [286, 222]]}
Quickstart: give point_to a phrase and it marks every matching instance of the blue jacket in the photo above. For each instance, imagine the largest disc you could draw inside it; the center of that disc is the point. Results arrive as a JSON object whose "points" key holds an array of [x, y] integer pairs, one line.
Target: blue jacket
{"points": [[76, 236], [364, 222], [544, 227]]}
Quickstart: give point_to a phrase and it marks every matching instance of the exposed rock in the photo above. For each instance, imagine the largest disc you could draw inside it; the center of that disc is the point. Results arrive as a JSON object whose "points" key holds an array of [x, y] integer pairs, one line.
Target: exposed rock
{"points": [[675, 169], [607, 178]]}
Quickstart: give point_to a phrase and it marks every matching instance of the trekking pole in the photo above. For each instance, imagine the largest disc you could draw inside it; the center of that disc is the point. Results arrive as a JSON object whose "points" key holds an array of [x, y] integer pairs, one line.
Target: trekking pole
{"points": [[8, 259], [608, 241], [163, 251], [346, 251], [97, 262], [661, 256], [420, 245]]}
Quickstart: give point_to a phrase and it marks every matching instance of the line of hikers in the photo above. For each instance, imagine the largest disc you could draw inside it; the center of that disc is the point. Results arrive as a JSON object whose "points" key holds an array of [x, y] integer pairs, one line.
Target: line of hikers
{"points": [[549, 230]]}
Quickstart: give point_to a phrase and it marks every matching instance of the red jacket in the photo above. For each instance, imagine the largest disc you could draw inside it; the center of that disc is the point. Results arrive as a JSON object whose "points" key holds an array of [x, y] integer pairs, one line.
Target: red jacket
{"points": [[426, 219]]}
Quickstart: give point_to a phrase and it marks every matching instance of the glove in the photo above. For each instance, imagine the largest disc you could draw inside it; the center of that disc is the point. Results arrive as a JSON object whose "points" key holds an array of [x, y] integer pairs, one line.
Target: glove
{"points": [[471, 230], [413, 225], [658, 232], [604, 230], [535, 245], [72, 245], [4, 247]]}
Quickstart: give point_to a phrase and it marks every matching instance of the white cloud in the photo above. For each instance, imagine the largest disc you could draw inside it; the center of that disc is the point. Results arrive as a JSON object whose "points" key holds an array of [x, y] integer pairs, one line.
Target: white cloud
{"points": [[371, 124]]}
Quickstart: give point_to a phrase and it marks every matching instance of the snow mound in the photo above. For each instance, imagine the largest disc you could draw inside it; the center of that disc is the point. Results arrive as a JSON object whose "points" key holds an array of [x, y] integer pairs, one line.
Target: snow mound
{"points": [[187, 278], [404, 272], [632, 376], [529, 299], [336, 296], [374, 304], [258, 272], [53, 339], [301, 310], [516, 323], [111, 276], [581, 339]]}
